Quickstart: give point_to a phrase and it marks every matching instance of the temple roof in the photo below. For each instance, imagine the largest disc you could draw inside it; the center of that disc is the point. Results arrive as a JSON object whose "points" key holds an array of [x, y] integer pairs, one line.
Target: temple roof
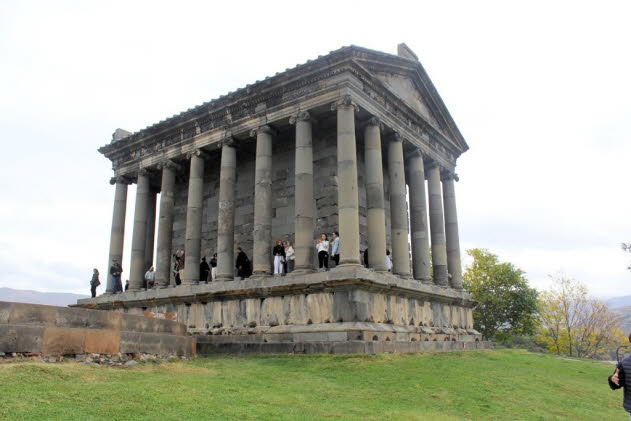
{"points": [[410, 76]]}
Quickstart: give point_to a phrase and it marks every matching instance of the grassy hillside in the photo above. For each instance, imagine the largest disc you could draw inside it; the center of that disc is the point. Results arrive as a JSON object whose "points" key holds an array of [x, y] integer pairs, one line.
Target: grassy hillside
{"points": [[498, 385]]}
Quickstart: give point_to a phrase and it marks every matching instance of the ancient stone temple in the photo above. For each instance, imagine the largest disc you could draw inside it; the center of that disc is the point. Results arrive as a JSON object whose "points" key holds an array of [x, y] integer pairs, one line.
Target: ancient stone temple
{"points": [[356, 141]]}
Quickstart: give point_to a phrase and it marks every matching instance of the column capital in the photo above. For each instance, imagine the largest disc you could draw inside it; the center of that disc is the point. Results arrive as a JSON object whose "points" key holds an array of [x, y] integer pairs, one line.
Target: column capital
{"points": [[374, 121], [262, 129], [121, 179], [144, 171], [396, 137], [301, 116], [228, 140], [345, 102], [197, 152], [169, 163], [449, 175]]}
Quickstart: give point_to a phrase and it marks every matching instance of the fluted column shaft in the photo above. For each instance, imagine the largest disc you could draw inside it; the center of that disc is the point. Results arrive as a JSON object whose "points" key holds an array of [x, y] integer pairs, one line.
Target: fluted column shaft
{"points": [[347, 193], [151, 228], [139, 236], [376, 217], [454, 263], [303, 208], [193, 240], [421, 265], [398, 208], [262, 251], [437, 225], [165, 226], [225, 229], [117, 235]]}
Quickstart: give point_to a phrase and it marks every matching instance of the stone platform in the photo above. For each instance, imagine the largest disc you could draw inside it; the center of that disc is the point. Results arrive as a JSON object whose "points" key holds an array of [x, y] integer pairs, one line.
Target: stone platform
{"points": [[348, 309], [50, 330]]}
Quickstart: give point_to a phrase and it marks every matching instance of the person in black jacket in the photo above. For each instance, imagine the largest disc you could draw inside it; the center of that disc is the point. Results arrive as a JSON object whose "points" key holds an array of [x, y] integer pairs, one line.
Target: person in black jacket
{"points": [[94, 282], [244, 269], [115, 270], [621, 378], [204, 270]]}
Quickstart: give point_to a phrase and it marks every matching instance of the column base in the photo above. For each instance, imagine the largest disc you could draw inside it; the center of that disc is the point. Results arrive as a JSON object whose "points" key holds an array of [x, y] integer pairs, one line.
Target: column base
{"points": [[259, 275], [224, 278], [348, 265], [296, 272]]}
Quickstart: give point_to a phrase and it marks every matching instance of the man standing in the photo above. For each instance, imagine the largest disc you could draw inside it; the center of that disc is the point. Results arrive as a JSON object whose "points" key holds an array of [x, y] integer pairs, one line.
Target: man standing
{"points": [[116, 270], [622, 378], [335, 248], [150, 278], [204, 269]]}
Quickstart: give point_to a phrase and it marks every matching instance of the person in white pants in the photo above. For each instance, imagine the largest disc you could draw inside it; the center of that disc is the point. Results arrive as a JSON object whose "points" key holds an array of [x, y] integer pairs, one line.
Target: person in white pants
{"points": [[279, 257]]}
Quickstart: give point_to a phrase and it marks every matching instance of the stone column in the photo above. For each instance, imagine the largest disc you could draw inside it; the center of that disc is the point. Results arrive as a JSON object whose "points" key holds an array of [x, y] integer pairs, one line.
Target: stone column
{"points": [[418, 219], [398, 208], [262, 251], [437, 227], [151, 228], [117, 235], [139, 236], [374, 195], [225, 229], [347, 191], [165, 225], [194, 208], [454, 263], [303, 208]]}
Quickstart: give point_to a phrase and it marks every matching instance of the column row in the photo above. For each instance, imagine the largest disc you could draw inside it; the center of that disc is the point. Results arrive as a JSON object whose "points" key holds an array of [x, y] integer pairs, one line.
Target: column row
{"points": [[445, 267]]}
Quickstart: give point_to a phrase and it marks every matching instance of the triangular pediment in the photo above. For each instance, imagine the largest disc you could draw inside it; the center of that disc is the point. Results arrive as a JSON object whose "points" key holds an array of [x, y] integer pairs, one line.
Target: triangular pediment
{"points": [[404, 88], [406, 78]]}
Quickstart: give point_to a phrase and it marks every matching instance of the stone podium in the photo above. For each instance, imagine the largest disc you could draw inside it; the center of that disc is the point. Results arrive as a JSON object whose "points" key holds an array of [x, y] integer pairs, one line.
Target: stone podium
{"points": [[356, 141]]}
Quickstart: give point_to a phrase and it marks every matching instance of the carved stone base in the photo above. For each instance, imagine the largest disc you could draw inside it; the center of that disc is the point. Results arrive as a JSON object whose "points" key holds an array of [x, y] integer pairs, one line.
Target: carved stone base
{"points": [[348, 308]]}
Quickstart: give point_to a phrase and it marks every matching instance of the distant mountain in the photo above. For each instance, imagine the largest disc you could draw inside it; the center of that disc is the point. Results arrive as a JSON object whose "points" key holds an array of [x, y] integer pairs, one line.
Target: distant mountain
{"points": [[61, 299], [618, 302], [625, 322]]}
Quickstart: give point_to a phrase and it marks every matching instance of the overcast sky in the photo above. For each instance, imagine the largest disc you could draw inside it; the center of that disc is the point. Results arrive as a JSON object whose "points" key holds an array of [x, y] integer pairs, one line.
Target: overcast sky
{"points": [[541, 91]]}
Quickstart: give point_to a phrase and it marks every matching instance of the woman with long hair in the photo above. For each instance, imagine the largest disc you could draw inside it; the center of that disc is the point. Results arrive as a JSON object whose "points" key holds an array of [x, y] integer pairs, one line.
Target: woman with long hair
{"points": [[279, 257]]}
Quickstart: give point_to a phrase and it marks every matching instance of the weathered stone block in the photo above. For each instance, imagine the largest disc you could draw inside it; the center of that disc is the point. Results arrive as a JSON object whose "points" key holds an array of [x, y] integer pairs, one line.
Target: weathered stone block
{"points": [[102, 341], [60, 341]]}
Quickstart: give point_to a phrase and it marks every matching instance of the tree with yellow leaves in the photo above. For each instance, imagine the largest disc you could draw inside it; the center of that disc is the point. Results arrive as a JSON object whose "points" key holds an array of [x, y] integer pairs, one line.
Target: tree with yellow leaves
{"points": [[574, 324]]}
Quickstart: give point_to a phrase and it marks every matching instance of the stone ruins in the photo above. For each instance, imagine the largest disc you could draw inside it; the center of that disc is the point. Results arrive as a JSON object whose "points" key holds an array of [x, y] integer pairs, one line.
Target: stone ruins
{"points": [[336, 144]]}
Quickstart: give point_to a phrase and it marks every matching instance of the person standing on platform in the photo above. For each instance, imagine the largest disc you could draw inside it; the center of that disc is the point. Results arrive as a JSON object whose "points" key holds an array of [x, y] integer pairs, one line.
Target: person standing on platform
{"points": [[116, 270], [213, 267], [204, 270], [335, 248], [179, 266], [94, 282], [243, 264], [388, 261], [322, 245], [150, 278], [279, 257], [289, 257]]}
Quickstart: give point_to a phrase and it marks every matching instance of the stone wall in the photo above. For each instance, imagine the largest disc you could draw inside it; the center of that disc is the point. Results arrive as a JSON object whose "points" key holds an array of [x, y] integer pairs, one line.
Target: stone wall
{"points": [[50, 330]]}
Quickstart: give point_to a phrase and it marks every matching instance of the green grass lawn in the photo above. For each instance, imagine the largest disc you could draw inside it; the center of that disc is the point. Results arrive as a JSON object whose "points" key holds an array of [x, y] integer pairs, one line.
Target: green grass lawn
{"points": [[487, 385]]}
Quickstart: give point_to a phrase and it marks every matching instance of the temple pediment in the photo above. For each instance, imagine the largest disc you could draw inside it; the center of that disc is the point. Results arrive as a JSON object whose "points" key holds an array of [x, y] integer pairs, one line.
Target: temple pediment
{"points": [[404, 88]]}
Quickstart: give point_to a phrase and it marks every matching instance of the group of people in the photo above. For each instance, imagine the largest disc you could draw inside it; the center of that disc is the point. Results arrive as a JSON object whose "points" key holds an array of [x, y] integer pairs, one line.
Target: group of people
{"points": [[284, 257], [283, 254]]}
